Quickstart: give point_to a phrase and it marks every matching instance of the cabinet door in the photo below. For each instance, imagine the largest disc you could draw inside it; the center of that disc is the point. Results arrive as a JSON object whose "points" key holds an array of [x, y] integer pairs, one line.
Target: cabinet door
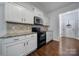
{"points": [[49, 36], [45, 20], [2, 21], [32, 43], [36, 12], [31, 18], [28, 47], [15, 50], [12, 12], [28, 17], [0, 47], [34, 38]]}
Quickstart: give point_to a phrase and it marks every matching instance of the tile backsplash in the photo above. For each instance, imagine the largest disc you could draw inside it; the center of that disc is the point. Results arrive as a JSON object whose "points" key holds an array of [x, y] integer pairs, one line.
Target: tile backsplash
{"points": [[16, 28]]}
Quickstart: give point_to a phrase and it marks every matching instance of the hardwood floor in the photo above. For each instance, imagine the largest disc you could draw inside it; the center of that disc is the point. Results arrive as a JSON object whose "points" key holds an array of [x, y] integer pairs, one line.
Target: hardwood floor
{"points": [[70, 47], [50, 49]]}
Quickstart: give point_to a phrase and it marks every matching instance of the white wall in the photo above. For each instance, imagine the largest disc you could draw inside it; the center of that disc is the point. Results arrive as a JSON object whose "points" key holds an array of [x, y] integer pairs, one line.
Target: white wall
{"points": [[54, 18]]}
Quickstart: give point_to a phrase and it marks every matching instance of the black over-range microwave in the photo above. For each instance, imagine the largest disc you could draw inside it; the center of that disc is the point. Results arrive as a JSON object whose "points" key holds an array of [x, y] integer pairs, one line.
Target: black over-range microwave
{"points": [[38, 20]]}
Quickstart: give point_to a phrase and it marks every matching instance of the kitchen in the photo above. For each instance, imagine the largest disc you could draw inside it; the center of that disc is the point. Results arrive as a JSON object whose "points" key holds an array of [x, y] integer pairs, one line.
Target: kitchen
{"points": [[22, 30], [37, 28]]}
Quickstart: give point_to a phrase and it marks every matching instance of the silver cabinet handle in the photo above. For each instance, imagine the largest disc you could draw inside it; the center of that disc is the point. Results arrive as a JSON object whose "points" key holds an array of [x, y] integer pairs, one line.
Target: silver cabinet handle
{"points": [[32, 36], [22, 19], [27, 43], [24, 44]]}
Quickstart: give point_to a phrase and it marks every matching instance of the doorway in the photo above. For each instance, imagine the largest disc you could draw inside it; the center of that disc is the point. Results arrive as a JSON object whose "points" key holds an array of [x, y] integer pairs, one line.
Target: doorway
{"points": [[69, 33]]}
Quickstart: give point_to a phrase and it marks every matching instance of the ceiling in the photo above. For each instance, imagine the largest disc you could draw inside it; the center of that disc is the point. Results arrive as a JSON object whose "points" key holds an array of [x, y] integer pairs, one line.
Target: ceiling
{"points": [[50, 6]]}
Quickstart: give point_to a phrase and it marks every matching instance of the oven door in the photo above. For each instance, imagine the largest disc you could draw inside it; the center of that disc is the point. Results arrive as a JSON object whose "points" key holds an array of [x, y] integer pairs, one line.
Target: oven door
{"points": [[41, 39]]}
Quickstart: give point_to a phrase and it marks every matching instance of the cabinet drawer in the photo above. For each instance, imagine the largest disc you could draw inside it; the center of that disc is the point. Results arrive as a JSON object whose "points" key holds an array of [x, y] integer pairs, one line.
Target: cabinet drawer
{"points": [[33, 35], [13, 39]]}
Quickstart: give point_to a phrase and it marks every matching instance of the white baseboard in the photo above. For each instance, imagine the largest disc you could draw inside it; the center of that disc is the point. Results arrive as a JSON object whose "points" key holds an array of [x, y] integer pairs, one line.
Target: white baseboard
{"points": [[57, 39]]}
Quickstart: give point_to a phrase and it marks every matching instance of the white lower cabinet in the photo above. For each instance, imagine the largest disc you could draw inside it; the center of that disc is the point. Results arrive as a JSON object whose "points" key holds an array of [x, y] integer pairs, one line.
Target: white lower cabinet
{"points": [[49, 36], [15, 50], [31, 43], [0, 47], [14, 46], [30, 46], [19, 46]]}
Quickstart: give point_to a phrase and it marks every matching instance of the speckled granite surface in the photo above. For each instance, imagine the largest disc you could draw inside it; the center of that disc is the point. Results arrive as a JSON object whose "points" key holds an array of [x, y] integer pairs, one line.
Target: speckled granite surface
{"points": [[14, 35]]}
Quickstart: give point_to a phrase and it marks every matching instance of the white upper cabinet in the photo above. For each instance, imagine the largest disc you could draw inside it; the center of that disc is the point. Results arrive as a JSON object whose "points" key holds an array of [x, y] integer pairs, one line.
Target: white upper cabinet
{"points": [[28, 18], [36, 11], [45, 20], [12, 13], [17, 13], [40, 14]]}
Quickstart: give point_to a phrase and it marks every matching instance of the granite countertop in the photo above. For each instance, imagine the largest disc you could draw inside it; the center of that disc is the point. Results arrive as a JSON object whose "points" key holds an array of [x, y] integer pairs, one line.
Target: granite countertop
{"points": [[14, 35], [49, 31]]}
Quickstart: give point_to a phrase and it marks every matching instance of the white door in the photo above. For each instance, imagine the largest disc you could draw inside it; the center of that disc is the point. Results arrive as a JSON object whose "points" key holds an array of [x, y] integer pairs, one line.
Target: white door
{"points": [[15, 50], [70, 18]]}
